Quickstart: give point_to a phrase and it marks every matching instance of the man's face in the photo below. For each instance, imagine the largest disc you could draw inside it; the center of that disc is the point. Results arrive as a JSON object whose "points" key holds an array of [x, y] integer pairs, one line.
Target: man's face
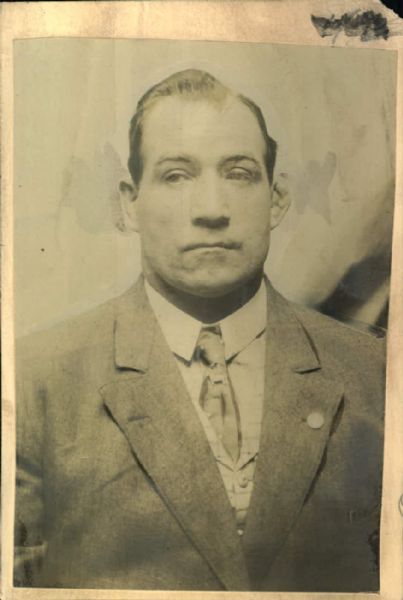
{"points": [[203, 206]]}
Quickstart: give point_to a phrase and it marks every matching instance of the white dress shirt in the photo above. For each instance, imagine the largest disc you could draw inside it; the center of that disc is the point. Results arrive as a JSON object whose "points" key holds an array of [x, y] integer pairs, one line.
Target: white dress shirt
{"points": [[244, 343]]}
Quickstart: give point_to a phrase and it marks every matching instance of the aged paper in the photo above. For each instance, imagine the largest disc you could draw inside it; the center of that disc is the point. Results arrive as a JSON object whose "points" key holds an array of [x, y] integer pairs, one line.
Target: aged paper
{"points": [[45, 283]]}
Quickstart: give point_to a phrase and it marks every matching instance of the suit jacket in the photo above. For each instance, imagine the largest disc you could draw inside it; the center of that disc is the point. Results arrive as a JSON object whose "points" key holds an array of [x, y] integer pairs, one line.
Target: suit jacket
{"points": [[118, 488]]}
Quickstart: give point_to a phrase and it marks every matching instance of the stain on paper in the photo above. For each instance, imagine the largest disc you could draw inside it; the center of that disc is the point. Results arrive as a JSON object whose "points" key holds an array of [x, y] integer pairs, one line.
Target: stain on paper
{"points": [[368, 25], [314, 183], [96, 179]]}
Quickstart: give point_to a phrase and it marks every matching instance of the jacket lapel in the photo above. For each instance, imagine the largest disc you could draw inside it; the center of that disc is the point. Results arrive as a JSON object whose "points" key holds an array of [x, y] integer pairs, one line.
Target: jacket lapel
{"points": [[292, 444], [149, 402]]}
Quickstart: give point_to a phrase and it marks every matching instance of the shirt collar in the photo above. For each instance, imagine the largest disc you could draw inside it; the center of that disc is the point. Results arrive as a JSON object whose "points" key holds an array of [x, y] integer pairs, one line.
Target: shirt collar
{"points": [[238, 329], [244, 325], [180, 329]]}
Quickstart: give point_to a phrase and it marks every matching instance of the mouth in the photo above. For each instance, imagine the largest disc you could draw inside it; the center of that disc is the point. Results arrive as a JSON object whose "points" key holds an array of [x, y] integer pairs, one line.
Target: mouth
{"points": [[213, 245]]}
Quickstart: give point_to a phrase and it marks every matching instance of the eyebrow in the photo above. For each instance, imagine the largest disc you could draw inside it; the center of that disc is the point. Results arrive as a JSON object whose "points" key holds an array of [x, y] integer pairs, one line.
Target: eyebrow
{"points": [[238, 158], [188, 160], [183, 158]]}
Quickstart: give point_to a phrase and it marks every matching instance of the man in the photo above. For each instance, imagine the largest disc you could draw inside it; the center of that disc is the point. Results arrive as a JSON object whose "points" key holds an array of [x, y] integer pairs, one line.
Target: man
{"points": [[200, 432]]}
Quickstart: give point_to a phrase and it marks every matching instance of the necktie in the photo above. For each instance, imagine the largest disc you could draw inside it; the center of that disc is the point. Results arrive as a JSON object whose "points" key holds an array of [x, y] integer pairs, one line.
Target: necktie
{"points": [[217, 397]]}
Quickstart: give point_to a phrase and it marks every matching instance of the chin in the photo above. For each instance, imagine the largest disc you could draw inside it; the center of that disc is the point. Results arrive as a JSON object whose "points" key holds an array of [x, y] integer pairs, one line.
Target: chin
{"points": [[212, 288]]}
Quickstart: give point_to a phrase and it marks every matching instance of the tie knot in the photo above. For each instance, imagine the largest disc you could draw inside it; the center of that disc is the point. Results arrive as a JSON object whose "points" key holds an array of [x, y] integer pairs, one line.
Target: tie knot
{"points": [[210, 346]]}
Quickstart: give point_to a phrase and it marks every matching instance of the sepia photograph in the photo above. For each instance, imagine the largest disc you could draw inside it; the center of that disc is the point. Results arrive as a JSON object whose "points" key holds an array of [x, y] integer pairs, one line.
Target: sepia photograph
{"points": [[202, 257]]}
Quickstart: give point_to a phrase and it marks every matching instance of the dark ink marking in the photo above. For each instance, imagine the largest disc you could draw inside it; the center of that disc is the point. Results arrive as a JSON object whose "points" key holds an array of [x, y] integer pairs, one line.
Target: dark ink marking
{"points": [[367, 25], [401, 505], [42, 249]]}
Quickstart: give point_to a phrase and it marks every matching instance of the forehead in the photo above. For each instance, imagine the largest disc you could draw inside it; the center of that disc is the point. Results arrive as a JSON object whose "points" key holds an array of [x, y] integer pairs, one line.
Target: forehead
{"points": [[201, 128]]}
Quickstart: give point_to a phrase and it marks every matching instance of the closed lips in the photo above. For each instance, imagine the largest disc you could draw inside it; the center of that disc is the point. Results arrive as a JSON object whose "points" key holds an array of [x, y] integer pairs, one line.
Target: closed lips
{"points": [[226, 245]]}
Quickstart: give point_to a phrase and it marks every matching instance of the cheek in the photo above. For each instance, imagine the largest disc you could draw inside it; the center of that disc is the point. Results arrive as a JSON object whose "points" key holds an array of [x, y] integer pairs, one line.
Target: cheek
{"points": [[254, 227], [156, 220], [254, 217]]}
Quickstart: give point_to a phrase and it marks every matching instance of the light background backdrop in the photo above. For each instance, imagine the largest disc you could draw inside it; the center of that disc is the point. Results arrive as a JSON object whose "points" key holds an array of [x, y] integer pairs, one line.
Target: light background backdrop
{"points": [[331, 109]]}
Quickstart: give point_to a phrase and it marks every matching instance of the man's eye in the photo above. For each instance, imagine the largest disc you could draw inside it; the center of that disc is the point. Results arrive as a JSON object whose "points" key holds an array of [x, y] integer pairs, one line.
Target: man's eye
{"points": [[240, 174], [175, 176]]}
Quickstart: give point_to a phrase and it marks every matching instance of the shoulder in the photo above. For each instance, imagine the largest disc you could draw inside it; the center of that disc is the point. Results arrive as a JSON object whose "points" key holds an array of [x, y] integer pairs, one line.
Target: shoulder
{"points": [[354, 332], [354, 347], [88, 329]]}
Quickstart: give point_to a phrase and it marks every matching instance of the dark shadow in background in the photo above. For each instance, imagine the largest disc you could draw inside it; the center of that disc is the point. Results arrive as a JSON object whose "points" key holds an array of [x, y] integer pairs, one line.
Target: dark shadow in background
{"points": [[359, 284]]}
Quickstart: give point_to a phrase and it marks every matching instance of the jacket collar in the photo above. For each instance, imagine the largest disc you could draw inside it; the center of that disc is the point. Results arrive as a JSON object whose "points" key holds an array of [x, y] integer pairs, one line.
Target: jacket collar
{"points": [[134, 329], [136, 326], [293, 342], [149, 402]]}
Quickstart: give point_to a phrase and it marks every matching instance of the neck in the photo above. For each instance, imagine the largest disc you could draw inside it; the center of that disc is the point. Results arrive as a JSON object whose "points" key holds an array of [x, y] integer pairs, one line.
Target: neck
{"points": [[209, 310]]}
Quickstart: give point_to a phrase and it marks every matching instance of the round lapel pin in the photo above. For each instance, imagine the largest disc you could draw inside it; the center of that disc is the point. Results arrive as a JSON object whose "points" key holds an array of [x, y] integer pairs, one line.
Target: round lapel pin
{"points": [[315, 420]]}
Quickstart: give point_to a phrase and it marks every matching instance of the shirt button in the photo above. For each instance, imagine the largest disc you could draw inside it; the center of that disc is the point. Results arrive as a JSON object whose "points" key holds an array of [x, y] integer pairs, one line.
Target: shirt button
{"points": [[315, 420], [240, 532]]}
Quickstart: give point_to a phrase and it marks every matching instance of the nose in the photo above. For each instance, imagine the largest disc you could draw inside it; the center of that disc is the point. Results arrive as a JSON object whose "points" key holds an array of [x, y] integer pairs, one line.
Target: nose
{"points": [[209, 206]]}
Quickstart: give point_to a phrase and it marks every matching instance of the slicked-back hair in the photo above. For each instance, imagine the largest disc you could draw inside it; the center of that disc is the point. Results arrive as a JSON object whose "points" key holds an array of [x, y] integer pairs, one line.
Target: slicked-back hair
{"points": [[191, 84]]}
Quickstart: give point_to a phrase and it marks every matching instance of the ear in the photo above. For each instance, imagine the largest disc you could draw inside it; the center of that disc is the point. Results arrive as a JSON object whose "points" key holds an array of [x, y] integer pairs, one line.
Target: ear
{"points": [[128, 196], [281, 199]]}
